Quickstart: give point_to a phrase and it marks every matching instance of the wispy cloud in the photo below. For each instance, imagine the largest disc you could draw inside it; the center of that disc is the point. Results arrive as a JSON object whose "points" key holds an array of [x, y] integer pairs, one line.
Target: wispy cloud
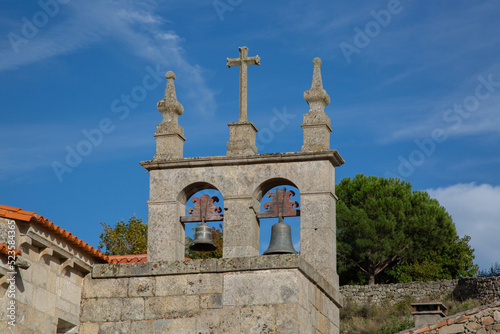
{"points": [[33, 146], [83, 24], [476, 212]]}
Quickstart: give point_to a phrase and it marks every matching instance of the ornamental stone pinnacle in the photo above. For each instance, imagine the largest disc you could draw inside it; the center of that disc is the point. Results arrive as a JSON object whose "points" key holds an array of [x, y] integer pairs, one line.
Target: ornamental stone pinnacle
{"points": [[317, 97], [316, 123], [242, 133], [169, 134]]}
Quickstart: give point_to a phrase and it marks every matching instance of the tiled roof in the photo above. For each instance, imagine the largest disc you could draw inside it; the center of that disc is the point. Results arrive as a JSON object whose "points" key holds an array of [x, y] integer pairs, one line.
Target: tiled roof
{"points": [[28, 216], [132, 258], [129, 258], [4, 249]]}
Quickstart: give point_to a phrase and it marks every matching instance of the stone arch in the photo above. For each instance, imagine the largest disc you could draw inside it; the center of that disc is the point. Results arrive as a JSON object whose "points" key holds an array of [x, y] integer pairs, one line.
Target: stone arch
{"points": [[183, 203], [265, 230], [191, 189], [267, 185]]}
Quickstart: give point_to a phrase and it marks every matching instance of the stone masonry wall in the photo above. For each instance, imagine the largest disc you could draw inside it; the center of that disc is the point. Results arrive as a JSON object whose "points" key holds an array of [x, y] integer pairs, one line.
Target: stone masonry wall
{"points": [[485, 288], [48, 280], [272, 294], [45, 295]]}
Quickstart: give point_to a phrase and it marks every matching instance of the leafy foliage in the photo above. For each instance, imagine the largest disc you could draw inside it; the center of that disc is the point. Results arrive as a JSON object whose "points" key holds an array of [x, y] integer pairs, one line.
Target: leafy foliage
{"points": [[386, 318], [493, 271], [124, 238], [217, 235], [388, 232]]}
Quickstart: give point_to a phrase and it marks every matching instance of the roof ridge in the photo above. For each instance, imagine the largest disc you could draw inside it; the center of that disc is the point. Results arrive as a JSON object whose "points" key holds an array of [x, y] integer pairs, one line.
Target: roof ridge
{"points": [[29, 216]]}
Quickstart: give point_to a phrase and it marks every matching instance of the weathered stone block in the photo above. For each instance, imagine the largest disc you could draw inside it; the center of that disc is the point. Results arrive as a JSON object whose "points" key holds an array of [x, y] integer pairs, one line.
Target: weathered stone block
{"points": [[160, 326], [171, 307], [323, 323], [204, 283], [27, 296], [68, 290], [232, 264], [171, 285], [324, 210], [208, 266], [43, 277], [133, 309], [226, 320], [44, 300], [115, 327], [258, 319], [261, 288], [101, 309], [68, 307], [89, 328], [208, 301], [141, 286], [473, 326], [288, 318], [485, 321], [114, 287], [452, 329], [241, 139]]}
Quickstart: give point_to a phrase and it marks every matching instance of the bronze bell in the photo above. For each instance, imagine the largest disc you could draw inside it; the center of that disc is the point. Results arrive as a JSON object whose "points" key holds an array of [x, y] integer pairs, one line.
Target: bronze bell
{"points": [[281, 239], [203, 240]]}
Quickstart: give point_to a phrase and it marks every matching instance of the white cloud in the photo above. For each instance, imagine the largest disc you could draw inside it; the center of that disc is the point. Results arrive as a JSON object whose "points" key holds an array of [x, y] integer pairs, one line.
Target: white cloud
{"points": [[476, 212]]}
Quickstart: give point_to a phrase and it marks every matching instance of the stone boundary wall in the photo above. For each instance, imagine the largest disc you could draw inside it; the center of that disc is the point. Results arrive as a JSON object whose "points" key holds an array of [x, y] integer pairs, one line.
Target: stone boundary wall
{"points": [[481, 320], [486, 289]]}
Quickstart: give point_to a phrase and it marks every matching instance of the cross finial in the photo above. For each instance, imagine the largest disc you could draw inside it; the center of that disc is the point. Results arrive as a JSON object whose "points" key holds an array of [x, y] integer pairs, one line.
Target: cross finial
{"points": [[243, 62]]}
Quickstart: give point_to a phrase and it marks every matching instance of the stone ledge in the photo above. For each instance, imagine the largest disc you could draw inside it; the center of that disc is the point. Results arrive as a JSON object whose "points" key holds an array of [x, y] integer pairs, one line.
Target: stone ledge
{"points": [[229, 265], [332, 155]]}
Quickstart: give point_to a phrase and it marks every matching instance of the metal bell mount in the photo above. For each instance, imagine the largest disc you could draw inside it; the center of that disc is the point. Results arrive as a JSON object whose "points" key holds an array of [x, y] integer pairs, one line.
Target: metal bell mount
{"points": [[203, 210]]}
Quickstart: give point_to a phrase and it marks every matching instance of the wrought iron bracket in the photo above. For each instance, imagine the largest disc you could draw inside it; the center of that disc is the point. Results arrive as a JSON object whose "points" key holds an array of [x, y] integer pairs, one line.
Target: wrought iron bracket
{"points": [[280, 205], [203, 210]]}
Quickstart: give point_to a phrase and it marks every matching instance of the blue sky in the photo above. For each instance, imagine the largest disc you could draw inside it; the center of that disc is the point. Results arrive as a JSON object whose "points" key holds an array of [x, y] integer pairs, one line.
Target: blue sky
{"points": [[415, 89]]}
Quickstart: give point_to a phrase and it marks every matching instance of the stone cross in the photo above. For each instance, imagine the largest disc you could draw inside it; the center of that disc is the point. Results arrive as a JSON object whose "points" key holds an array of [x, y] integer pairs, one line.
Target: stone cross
{"points": [[243, 62]]}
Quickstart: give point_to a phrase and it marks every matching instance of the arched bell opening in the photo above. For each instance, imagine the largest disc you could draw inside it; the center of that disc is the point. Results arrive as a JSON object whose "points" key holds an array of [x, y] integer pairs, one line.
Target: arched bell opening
{"points": [[279, 217], [202, 220]]}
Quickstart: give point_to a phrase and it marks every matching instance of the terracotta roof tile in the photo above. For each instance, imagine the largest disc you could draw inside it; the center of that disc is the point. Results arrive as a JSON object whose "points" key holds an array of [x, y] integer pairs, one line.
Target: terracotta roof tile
{"points": [[28, 216], [129, 258], [134, 258], [4, 249]]}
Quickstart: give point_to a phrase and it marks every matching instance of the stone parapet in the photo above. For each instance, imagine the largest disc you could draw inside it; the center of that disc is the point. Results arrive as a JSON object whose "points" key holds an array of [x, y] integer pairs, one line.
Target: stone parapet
{"points": [[275, 293], [208, 266]]}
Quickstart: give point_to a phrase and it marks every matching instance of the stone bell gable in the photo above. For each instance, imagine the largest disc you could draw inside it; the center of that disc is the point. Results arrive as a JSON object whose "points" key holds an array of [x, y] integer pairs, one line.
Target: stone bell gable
{"points": [[242, 292]]}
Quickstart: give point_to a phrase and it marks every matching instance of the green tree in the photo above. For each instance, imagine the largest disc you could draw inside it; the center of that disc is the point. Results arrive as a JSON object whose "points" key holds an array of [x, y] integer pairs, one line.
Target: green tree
{"points": [[217, 235], [388, 233], [124, 238]]}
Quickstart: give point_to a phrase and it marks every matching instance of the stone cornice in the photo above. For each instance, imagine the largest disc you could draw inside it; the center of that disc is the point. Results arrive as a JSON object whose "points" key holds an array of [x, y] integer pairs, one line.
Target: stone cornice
{"points": [[331, 155]]}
